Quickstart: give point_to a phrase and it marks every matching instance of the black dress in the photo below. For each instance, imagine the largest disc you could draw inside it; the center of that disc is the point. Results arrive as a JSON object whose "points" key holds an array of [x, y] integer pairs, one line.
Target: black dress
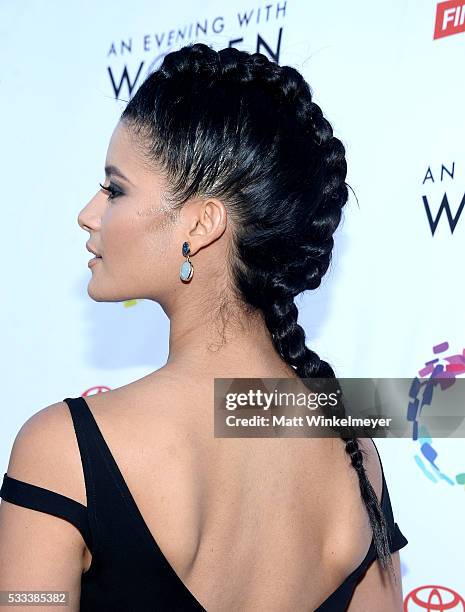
{"points": [[128, 571]]}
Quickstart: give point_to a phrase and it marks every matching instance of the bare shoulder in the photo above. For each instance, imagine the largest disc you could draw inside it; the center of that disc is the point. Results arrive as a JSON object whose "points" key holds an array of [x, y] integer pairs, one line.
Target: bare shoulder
{"points": [[45, 452], [159, 402]]}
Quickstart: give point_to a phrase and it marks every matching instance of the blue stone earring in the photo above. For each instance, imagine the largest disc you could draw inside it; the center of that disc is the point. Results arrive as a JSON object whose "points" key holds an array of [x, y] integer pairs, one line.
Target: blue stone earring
{"points": [[187, 269]]}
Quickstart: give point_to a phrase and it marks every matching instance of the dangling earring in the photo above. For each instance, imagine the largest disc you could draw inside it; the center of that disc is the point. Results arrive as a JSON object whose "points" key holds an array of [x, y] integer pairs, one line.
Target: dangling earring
{"points": [[187, 269]]}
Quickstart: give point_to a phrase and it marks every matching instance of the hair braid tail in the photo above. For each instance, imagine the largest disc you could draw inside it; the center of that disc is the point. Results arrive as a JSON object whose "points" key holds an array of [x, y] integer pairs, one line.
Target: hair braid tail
{"points": [[289, 340]]}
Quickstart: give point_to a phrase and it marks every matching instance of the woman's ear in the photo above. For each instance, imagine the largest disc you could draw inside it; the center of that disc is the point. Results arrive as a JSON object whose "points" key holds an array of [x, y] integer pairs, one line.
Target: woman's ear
{"points": [[205, 221]]}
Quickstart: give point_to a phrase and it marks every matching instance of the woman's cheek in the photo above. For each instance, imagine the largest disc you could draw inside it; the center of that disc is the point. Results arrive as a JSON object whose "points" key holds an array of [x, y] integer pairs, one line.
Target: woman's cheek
{"points": [[120, 225]]}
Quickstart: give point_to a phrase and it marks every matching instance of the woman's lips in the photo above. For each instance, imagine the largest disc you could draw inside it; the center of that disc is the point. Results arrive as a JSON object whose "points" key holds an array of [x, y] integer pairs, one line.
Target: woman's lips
{"points": [[93, 261]]}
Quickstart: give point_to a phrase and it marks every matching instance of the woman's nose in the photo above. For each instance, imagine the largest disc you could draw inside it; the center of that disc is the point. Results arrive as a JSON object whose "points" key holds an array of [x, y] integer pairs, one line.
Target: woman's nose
{"points": [[89, 216]]}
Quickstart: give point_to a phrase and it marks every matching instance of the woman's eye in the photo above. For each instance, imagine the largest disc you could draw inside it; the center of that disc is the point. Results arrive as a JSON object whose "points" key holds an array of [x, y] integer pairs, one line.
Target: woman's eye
{"points": [[112, 192]]}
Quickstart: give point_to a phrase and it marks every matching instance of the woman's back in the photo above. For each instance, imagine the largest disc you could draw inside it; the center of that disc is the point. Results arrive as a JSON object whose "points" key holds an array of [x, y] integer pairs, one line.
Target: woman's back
{"points": [[246, 524]]}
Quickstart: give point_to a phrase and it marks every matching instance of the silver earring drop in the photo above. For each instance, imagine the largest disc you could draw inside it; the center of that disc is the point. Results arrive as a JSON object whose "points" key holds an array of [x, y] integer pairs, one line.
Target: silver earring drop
{"points": [[187, 269]]}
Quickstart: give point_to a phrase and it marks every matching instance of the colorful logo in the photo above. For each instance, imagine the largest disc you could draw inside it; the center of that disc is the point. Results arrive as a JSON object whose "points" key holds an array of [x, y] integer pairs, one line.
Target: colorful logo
{"points": [[442, 374], [434, 597], [450, 18]]}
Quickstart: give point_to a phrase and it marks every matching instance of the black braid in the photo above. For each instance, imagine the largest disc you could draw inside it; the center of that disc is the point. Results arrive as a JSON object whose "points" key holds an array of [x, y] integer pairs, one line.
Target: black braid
{"points": [[289, 340], [239, 127]]}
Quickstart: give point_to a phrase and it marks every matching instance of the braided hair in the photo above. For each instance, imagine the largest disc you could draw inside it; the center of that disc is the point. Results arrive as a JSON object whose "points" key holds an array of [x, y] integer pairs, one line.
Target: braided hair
{"points": [[239, 127]]}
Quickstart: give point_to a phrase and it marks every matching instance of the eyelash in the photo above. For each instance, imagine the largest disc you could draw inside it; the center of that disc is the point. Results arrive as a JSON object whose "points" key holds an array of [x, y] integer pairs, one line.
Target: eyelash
{"points": [[113, 193]]}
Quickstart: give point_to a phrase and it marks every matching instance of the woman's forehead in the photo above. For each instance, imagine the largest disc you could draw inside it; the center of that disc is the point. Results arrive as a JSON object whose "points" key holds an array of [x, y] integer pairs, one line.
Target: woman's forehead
{"points": [[123, 158]]}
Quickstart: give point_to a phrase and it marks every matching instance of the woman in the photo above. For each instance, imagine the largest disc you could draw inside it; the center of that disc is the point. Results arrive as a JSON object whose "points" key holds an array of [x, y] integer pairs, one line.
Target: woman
{"points": [[221, 161]]}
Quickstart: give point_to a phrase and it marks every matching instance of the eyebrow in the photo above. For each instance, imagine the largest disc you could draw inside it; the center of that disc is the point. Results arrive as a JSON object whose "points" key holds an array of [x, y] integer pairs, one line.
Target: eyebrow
{"points": [[116, 172]]}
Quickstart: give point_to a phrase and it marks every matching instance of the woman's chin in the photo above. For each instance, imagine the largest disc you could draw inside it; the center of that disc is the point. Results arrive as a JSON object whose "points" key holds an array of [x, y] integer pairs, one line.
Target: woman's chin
{"points": [[96, 295], [99, 294]]}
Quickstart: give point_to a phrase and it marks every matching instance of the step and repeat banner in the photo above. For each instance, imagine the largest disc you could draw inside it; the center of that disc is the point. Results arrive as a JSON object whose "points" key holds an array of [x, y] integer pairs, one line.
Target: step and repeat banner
{"points": [[389, 77]]}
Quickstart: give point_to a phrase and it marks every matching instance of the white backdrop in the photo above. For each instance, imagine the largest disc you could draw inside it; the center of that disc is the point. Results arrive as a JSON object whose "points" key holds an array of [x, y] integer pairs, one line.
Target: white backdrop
{"points": [[395, 97]]}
